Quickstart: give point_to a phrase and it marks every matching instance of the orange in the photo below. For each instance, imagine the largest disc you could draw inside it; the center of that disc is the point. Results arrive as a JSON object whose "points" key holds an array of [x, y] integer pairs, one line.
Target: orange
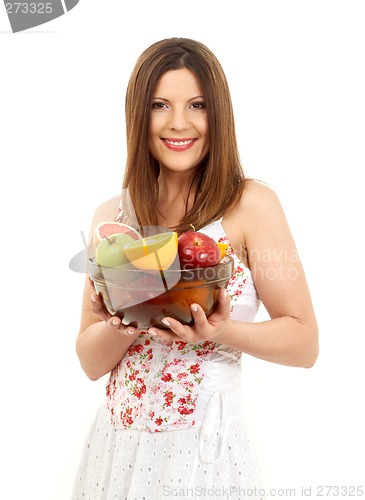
{"points": [[154, 252], [223, 249], [106, 229]]}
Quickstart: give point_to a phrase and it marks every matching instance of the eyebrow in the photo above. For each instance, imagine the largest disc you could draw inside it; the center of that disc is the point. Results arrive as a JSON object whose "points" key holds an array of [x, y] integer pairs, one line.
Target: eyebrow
{"points": [[166, 100]]}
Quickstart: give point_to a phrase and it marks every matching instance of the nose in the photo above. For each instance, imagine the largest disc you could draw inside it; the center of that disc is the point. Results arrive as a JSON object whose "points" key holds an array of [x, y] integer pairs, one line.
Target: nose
{"points": [[178, 119]]}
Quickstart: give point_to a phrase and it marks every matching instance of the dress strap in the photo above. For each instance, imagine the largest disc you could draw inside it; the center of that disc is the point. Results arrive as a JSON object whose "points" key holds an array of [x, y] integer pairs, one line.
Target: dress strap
{"points": [[221, 380], [208, 434], [207, 431], [126, 213]]}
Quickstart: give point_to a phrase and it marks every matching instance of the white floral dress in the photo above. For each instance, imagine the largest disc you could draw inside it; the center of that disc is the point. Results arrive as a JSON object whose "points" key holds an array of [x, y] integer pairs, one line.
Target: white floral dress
{"points": [[172, 422]]}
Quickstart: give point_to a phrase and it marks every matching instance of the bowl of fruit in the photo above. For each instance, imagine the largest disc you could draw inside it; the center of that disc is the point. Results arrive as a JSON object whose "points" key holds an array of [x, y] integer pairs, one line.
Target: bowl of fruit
{"points": [[144, 279]]}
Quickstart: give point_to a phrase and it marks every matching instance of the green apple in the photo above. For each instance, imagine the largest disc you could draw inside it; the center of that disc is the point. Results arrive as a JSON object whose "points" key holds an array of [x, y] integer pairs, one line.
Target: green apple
{"points": [[110, 253]]}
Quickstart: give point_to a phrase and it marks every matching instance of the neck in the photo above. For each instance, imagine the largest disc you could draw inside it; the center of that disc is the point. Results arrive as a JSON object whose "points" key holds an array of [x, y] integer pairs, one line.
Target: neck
{"points": [[175, 199], [175, 188]]}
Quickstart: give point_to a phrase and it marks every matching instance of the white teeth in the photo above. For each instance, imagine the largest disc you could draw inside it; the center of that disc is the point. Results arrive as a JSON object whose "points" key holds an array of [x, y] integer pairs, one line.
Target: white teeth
{"points": [[179, 143]]}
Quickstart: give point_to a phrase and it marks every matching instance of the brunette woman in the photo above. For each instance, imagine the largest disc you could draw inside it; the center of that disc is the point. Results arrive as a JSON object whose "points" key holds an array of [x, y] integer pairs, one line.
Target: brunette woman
{"points": [[172, 420]]}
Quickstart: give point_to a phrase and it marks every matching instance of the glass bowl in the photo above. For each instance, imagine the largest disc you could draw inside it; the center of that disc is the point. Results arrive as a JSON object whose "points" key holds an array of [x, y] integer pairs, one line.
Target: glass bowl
{"points": [[143, 298]]}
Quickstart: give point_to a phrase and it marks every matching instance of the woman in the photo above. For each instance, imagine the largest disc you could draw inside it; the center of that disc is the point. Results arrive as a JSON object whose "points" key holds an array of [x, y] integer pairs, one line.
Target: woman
{"points": [[172, 422]]}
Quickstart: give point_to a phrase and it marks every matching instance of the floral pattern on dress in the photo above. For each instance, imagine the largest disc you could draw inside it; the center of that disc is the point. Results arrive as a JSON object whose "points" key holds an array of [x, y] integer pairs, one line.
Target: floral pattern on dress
{"points": [[237, 283], [155, 386]]}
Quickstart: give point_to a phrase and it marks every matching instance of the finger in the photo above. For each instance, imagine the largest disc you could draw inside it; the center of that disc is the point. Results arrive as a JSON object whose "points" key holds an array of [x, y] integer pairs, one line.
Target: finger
{"points": [[116, 323], [182, 331], [162, 334], [96, 302], [199, 317], [98, 307], [128, 330], [223, 308]]}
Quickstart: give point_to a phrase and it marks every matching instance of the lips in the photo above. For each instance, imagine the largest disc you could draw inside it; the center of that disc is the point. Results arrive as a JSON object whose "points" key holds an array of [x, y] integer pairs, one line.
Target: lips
{"points": [[179, 144]]}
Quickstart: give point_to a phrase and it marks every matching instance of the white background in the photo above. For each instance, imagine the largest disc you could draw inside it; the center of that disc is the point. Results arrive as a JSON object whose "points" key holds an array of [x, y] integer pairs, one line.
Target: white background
{"points": [[296, 72]]}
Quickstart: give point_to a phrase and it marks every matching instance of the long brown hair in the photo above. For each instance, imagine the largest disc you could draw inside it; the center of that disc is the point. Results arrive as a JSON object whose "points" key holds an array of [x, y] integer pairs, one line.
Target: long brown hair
{"points": [[219, 181]]}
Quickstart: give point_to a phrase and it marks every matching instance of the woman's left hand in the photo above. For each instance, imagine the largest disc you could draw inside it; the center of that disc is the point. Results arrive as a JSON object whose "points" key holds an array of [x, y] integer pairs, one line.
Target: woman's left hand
{"points": [[203, 328]]}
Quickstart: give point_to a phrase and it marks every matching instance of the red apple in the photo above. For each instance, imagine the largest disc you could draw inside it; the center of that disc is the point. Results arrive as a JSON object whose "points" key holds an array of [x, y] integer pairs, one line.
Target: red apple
{"points": [[197, 250]]}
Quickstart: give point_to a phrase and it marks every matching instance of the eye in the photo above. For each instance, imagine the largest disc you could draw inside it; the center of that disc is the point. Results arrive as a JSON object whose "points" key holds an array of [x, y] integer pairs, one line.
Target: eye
{"points": [[158, 105], [198, 105]]}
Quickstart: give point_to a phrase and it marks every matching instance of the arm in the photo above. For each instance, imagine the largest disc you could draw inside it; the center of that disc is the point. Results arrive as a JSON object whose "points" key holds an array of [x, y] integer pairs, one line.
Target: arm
{"points": [[290, 337], [285, 340], [101, 343]]}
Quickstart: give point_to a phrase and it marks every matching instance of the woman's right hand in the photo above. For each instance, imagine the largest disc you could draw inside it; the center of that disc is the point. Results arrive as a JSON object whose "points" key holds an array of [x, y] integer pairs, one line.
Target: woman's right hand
{"points": [[112, 321]]}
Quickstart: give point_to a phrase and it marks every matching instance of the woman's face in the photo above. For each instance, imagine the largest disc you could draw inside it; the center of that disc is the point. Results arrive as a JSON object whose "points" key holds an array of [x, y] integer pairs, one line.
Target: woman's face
{"points": [[178, 129]]}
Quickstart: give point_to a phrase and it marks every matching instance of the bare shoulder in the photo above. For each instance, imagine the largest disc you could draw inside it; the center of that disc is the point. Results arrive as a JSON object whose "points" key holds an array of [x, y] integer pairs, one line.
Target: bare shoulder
{"points": [[105, 211], [260, 205], [258, 195], [257, 209], [262, 219], [108, 207]]}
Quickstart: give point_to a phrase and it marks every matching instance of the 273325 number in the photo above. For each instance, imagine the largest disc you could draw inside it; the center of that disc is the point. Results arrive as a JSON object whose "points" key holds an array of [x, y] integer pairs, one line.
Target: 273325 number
{"points": [[28, 8], [339, 491]]}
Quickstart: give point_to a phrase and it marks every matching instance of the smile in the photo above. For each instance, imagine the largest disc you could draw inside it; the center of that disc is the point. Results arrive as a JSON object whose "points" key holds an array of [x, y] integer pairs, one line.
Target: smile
{"points": [[179, 144]]}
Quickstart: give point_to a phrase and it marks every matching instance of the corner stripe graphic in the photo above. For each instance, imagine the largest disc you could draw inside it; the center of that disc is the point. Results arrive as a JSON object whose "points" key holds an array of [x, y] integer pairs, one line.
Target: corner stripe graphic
{"points": [[28, 14]]}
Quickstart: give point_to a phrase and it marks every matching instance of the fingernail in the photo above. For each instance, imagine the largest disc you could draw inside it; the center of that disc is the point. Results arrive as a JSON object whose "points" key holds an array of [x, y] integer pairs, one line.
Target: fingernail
{"points": [[166, 322], [130, 332], [152, 332], [115, 321], [194, 307], [93, 297]]}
